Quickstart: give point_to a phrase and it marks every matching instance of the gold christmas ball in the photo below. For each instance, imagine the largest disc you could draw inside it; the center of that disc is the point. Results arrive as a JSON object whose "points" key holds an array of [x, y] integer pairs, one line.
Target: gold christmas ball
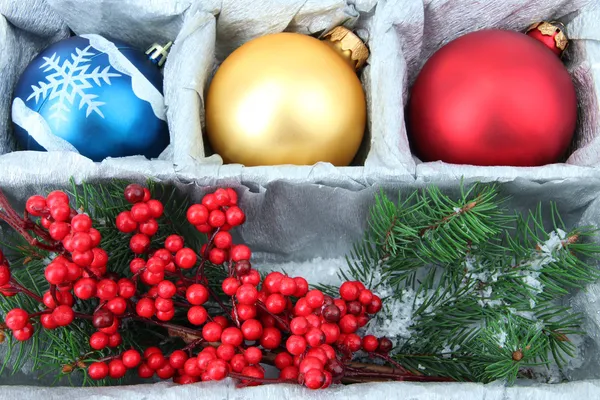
{"points": [[288, 98]]}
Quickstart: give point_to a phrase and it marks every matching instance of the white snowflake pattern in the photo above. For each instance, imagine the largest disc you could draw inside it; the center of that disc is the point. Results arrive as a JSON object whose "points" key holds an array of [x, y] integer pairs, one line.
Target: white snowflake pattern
{"points": [[69, 80]]}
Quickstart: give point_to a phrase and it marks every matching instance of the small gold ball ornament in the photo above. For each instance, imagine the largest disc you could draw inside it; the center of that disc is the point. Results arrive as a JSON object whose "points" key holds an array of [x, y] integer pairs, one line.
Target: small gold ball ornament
{"points": [[288, 98]]}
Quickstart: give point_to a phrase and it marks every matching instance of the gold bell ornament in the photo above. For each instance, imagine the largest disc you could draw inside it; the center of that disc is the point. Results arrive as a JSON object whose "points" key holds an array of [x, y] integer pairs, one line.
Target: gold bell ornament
{"points": [[289, 98]]}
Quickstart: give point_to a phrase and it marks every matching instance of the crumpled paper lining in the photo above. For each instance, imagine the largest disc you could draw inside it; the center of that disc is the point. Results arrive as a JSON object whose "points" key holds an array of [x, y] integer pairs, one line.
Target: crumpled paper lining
{"points": [[401, 34]]}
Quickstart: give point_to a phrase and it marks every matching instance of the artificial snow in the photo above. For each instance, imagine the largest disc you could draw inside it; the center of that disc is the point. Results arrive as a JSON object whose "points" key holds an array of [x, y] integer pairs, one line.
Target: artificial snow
{"points": [[501, 338], [324, 271]]}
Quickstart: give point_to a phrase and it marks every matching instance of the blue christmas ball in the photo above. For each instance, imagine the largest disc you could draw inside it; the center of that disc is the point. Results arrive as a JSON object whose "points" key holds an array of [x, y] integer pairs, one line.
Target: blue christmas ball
{"points": [[98, 97]]}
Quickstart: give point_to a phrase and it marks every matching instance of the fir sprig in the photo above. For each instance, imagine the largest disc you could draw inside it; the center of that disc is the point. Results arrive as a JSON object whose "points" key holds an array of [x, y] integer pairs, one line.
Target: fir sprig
{"points": [[472, 272]]}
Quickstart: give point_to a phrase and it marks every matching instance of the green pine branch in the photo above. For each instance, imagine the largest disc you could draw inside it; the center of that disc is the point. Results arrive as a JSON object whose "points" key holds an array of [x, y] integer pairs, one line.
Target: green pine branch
{"points": [[481, 282]]}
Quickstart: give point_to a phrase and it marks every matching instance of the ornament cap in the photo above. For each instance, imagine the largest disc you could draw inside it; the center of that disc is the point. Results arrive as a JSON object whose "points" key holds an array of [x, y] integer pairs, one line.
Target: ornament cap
{"points": [[550, 33], [158, 53], [348, 45]]}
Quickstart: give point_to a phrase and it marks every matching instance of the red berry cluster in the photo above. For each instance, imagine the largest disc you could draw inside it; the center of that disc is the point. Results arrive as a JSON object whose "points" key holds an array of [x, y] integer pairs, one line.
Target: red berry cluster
{"points": [[309, 336], [141, 218]]}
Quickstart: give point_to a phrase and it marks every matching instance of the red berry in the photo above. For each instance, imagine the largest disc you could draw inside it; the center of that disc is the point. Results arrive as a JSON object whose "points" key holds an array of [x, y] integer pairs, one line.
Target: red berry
{"points": [[126, 288], [185, 258], [151, 350], [81, 242], [125, 222], [64, 298], [196, 294], [134, 193], [139, 243], [246, 294], [23, 334], [216, 218], [252, 329], [197, 214], [362, 320], [370, 343], [81, 223], [163, 305], [283, 360], [240, 252], [83, 259], [233, 197], [211, 332], [309, 363], [331, 313], [353, 342], [145, 308], [267, 320], [140, 212], [365, 296], [348, 323], [116, 369], [106, 289], [60, 212], [55, 273], [95, 236], [165, 315], [295, 345], [145, 372], [98, 340], [246, 312], [109, 330], [238, 363], [147, 195], [204, 228], [301, 287], [4, 274], [46, 222], [63, 315], [375, 305], [349, 291], [318, 353], [156, 208], [271, 338], [197, 315], [217, 256], [314, 379], [302, 309], [174, 243], [272, 282], [276, 303], [313, 321], [166, 289], [232, 336], [299, 326], [210, 202], [117, 306], [16, 318], [331, 331], [235, 216], [287, 286], [152, 278], [217, 370], [242, 267], [315, 337], [47, 321], [315, 298], [98, 370], [204, 358], [253, 355], [251, 278], [131, 358], [354, 308], [289, 373], [341, 305], [35, 205], [230, 286], [178, 358], [254, 372], [222, 197], [100, 258], [103, 319], [225, 352], [136, 265], [156, 361], [59, 230], [166, 371], [149, 227]]}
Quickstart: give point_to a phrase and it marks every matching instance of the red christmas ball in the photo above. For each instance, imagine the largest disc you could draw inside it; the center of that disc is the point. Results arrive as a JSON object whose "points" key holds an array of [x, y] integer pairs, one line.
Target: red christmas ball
{"points": [[493, 97]]}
